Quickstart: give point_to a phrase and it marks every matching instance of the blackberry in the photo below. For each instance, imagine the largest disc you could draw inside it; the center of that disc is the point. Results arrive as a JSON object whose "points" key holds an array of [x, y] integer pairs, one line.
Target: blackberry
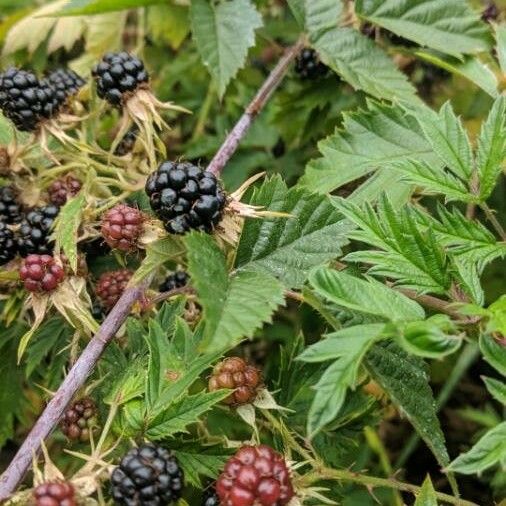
{"points": [[210, 497], [8, 245], [25, 100], [95, 247], [127, 144], [255, 475], [41, 274], [55, 493], [65, 83], [236, 374], [79, 419], [119, 75], [177, 279], [308, 65], [63, 189], [111, 285], [122, 226], [147, 476], [10, 208], [490, 13], [185, 197], [35, 229]]}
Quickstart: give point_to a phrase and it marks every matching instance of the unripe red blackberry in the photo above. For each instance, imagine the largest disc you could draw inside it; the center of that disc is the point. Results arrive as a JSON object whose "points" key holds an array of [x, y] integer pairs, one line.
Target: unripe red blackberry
{"points": [[65, 83], [35, 230], [25, 100], [10, 208], [79, 419], [122, 226], [185, 197], [8, 245], [255, 475], [41, 274], [177, 279], [309, 66], [236, 374], [111, 285], [63, 189], [55, 493], [147, 476], [118, 76]]}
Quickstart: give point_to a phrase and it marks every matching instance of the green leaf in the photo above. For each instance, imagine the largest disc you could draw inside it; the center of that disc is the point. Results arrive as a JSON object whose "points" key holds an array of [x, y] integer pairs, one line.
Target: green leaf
{"points": [[493, 352], [427, 495], [322, 15], [66, 227], [253, 295], [450, 26], [488, 451], [496, 388], [492, 148], [200, 463], [342, 374], [352, 55], [297, 8], [182, 413], [169, 23], [84, 7], [288, 248], [402, 375], [6, 130], [223, 33], [369, 140], [364, 295], [500, 35]]}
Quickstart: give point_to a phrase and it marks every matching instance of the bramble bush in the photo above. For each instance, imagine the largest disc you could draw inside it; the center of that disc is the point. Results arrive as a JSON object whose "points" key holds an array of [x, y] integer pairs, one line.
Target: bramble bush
{"points": [[252, 252]]}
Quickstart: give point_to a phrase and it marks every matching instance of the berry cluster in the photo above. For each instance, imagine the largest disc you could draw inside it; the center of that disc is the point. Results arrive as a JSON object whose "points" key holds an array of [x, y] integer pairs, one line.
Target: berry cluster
{"points": [[255, 475], [79, 419], [10, 209], [8, 245], [63, 189], [25, 100], [147, 476], [65, 83], [35, 230], [122, 226], [118, 76], [55, 493], [41, 274], [111, 285], [185, 197], [177, 279], [236, 374], [308, 65]]}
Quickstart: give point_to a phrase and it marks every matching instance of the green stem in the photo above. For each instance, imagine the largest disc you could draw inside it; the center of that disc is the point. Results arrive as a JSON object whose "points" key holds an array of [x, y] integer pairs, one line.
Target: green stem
{"points": [[204, 112], [494, 221]]}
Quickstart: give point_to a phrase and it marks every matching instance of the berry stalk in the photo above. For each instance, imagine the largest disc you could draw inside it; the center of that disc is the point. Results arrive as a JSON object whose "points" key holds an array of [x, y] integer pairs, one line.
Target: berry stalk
{"points": [[76, 377], [240, 129]]}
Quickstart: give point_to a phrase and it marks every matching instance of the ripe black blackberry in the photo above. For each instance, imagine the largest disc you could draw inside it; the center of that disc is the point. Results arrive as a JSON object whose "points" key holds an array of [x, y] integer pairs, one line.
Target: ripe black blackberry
{"points": [[308, 65], [177, 279], [10, 208], [8, 245], [118, 75], [185, 197], [210, 497], [147, 476], [35, 230], [66, 83], [25, 100]]}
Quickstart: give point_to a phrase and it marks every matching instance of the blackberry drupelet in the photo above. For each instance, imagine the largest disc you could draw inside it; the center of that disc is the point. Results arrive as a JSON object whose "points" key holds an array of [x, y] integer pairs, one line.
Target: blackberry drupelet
{"points": [[79, 419], [41, 274], [118, 75], [308, 65], [255, 475], [63, 189], [185, 197], [25, 100], [210, 497], [147, 476], [127, 144], [237, 375], [65, 83], [55, 493], [8, 244], [177, 279], [111, 285], [35, 230], [10, 208], [122, 226]]}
